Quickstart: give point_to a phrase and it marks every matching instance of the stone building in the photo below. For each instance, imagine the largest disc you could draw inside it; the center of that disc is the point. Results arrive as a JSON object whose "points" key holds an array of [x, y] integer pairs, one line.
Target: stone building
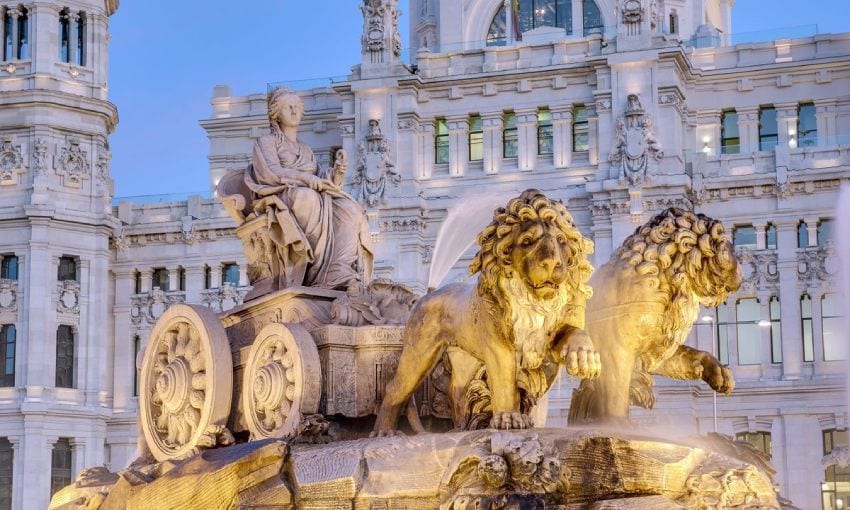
{"points": [[618, 107]]}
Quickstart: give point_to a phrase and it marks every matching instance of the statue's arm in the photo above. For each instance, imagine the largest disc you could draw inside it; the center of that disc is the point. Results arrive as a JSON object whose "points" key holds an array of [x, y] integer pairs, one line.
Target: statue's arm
{"points": [[265, 153]]}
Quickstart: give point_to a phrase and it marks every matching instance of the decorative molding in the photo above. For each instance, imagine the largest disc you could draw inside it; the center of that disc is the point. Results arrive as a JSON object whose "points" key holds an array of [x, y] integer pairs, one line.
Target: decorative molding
{"points": [[73, 163], [11, 163], [374, 168], [635, 144]]}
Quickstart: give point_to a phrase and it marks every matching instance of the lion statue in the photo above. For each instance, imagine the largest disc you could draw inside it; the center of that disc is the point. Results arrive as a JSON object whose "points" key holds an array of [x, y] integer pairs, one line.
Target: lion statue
{"points": [[647, 297], [518, 323]]}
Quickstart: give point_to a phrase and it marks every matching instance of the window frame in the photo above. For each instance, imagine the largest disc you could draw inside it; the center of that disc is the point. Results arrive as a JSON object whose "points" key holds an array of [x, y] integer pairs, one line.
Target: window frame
{"points": [[160, 277], [7, 477], [726, 145], [581, 128], [475, 138], [441, 141], [806, 328], [7, 331], [224, 273], [9, 267], [807, 137], [66, 354], [510, 136], [545, 131], [746, 327], [60, 272], [824, 320], [60, 475], [737, 231], [771, 233], [759, 436], [768, 130]]}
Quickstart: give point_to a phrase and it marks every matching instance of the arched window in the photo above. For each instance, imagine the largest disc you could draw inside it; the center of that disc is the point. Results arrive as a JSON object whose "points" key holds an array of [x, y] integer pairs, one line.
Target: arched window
{"points": [[64, 37], [16, 28], [528, 15], [802, 235]]}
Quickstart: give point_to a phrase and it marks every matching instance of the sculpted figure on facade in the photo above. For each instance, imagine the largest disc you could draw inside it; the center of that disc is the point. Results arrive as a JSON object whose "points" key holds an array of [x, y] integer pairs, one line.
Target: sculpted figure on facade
{"points": [[519, 322], [635, 144], [298, 226], [646, 298], [374, 168]]}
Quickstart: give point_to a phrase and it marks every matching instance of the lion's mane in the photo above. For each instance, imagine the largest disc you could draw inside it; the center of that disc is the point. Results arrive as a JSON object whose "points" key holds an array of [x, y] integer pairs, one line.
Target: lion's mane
{"points": [[681, 253]]}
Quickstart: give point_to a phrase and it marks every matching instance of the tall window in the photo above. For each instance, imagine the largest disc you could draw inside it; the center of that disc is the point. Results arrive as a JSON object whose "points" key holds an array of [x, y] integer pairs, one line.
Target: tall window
{"points": [[834, 343], [730, 141], [768, 131], [207, 277], [137, 282], [65, 357], [7, 461], [80, 56], [722, 314], [802, 235], [441, 142], [825, 229], [592, 17], [230, 274], [60, 466], [744, 236], [9, 267], [23, 46], [509, 135], [476, 138], [770, 237], [775, 331], [674, 22], [67, 269], [64, 36], [837, 479], [581, 140], [160, 279], [8, 44], [808, 337], [181, 278], [807, 125], [8, 337], [137, 376], [760, 440], [749, 336], [544, 131]]}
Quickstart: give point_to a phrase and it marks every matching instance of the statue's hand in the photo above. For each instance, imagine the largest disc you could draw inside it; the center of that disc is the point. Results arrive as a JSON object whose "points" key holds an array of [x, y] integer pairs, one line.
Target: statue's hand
{"points": [[579, 355], [313, 182]]}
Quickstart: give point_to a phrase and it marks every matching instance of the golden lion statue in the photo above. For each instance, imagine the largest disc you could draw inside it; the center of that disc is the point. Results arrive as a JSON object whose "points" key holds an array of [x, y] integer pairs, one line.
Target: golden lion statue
{"points": [[519, 322], [646, 298]]}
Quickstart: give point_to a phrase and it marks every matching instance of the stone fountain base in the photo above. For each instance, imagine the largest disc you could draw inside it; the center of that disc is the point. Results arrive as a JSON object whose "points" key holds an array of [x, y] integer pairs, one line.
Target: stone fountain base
{"points": [[541, 468]]}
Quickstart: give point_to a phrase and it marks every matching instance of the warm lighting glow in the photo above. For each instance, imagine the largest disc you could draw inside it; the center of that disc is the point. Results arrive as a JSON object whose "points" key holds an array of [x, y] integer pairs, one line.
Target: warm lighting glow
{"points": [[764, 323], [792, 142], [707, 318]]}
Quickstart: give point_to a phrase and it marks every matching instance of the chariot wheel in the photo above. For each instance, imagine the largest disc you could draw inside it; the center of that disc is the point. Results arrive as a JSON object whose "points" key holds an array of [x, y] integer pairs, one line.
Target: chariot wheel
{"points": [[282, 381], [187, 379]]}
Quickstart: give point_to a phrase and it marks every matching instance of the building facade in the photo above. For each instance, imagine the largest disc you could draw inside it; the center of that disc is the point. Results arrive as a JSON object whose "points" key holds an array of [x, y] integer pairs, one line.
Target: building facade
{"points": [[620, 108]]}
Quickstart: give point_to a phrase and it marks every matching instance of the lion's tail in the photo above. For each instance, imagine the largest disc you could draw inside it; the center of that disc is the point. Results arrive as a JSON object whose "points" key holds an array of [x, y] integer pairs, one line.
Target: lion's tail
{"points": [[581, 403]]}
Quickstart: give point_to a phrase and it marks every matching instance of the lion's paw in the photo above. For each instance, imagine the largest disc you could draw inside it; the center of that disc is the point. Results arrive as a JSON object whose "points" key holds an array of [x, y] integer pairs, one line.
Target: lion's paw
{"points": [[511, 420], [386, 433], [580, 356], [717, 376]]}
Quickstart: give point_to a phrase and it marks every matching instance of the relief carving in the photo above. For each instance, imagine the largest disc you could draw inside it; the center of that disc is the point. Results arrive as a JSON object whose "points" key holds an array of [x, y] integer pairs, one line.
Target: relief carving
{"points": [[39, 158], [636, 146], [224, 298], [73, 163], [374, 168], [380, 22], [69, 297], [8, 296], [381, 303], [11, 163]]}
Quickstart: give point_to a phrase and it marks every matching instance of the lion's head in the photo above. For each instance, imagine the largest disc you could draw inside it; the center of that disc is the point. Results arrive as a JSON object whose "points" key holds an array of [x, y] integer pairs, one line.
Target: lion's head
{"points": [[690, 258], [533, 240]]}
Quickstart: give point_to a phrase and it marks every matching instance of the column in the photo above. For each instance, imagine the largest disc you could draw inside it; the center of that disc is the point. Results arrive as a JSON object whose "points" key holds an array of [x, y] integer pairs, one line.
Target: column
{"points": [[73, 18], [786, 124], [426, 137], [526, 121], [578, 19], [14, 13], [123, 362], [562, 136], [36, 455], [147, 280], [194, 283], [215, 276], [458, 144], [78, 456], [812, 228], [760, 240], [492, 124], [748, 129], [3, 36], [592, 135], [37, 314], [789, 301], [825, 114], [408, 126], [17, 470], [173, 277], [243, 274]]}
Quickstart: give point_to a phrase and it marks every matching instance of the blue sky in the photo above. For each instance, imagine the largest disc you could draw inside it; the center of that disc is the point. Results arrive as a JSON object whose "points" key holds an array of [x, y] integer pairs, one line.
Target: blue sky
{"points": [[166, 56]]}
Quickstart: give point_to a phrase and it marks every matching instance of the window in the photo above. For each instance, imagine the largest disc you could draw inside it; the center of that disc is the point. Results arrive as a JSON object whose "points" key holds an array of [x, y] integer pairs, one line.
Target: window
{"points": [[67, 269], [592, 20], [476, 138], [808, 339], [65, 357], [581, 142], [744, 236], [768, 133], [775, 331], [9, 267], [60, 466], [137, 282], [230, 274], [770, 237], [137, 373], [497, 34], [207, 277], [7, 41], [181, 278], [8, 335], [802, 235], [836, 486], [834, 344], [64, 37], [749, 335], [509, 135], [544, 132], [160, 279], [674, 22], [722, 314], [7, 461], [730, 142], [528, 15], [760, 440], [825, 229], [80, 56], [441, 142], [807, 125]]}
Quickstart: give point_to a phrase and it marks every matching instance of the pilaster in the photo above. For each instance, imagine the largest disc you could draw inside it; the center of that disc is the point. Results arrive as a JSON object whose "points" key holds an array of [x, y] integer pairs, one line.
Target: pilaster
{"points": [[492, 123], [562, 136], [458, 145], [526, 139]]}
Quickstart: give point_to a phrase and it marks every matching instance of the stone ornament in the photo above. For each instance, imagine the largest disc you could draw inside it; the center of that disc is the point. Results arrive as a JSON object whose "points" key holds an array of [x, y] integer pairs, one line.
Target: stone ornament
{"points": [[73, 164], [11, 163], [380, 18], [635, 144], [223, 298], [69, 297], [148, 308], [522, 317], [282, 381], [382, 302], [374, 168], [297, 226], [839, 456], [646, 299], [102, 173], [632, 11], [39, 158], [8, 296], [186, 383]]}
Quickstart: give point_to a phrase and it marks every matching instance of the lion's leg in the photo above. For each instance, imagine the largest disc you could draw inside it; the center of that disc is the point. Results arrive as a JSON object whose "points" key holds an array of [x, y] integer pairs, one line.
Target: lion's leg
{"points": [[690, 364], [500, 361], [464, 367], [611, 399], [421, 350]]}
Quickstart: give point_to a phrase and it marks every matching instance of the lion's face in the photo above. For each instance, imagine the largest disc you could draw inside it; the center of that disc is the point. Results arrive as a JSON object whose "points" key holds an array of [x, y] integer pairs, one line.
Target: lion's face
{"points": [[540, 258]]}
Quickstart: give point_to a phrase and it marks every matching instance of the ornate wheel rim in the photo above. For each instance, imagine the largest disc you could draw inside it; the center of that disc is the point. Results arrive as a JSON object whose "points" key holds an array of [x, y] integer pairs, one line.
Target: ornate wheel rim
{"points": [[281, 382], [187, 376]]}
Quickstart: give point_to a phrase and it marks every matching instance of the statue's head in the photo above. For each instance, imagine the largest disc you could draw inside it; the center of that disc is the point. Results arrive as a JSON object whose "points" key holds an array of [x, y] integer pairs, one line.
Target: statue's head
{"points": [[285, 107]]}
